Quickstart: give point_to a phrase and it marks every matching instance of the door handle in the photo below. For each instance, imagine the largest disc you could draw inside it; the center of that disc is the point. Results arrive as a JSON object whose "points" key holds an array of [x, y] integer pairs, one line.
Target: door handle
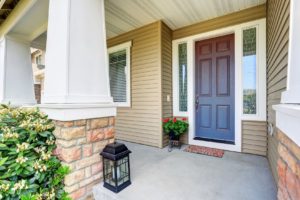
{"points": [[197, 102]]}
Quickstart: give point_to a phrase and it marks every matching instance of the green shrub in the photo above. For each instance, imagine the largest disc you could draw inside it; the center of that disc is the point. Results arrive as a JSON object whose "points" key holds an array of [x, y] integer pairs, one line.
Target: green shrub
{"points": [[28, 169]]}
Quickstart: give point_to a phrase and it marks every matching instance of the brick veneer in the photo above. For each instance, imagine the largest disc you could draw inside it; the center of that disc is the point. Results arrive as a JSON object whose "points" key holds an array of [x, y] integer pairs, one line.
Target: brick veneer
{"points": [[78, 146], [288, 168]]}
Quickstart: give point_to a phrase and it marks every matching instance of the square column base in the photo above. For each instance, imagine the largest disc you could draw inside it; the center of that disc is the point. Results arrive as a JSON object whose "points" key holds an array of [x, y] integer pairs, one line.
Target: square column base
{"points": [[288, 168], [79, 143]]}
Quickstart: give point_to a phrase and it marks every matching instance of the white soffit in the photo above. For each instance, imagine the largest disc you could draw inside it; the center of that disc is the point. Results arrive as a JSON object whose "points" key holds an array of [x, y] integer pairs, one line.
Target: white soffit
{"points": [[125, 15]]}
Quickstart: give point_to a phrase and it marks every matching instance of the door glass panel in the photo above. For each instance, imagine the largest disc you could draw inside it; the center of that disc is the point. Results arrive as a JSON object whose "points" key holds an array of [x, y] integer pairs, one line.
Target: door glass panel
{"points": [[249, 71], [182, 52]]}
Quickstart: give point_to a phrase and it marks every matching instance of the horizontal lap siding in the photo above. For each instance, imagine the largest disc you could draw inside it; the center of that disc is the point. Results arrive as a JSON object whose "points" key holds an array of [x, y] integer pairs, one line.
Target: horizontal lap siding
{"points": [[277, 61], [166, 44], [254, 137], [221, 22], [141, 123]]}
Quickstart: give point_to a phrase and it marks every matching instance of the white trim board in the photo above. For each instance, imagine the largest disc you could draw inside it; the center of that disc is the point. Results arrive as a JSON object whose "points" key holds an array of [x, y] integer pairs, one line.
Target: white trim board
{"points": [[261, 79], [70, 112], [287, 120]]}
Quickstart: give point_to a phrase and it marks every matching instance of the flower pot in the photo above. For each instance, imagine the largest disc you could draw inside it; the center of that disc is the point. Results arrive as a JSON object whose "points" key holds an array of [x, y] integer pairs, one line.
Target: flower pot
{"points": [[173, 140], [172, 136]]}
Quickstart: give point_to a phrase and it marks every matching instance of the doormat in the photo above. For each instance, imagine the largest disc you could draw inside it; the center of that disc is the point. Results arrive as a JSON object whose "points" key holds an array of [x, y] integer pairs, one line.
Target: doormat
{"points": [[205, 151]]}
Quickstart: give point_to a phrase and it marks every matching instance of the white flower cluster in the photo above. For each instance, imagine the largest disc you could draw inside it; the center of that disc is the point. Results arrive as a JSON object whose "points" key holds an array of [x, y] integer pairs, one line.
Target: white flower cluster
{"points": [[38, 124], [4, 111], [40, 149], [39, 167], [50, 141], [4, 187], [20, 185], [15, 113], [47, 195], [9, 134], [22, 147], [21, 159], [45, 156]]}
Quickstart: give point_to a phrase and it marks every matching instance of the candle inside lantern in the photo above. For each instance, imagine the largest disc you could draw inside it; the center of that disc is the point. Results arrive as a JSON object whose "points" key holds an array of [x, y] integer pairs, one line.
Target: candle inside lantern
{"points": [[118, 173]]}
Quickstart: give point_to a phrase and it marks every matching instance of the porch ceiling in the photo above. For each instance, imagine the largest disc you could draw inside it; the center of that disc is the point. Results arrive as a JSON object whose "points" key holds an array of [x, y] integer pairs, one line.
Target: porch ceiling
{"points": [[125, 15], [6, 6]]}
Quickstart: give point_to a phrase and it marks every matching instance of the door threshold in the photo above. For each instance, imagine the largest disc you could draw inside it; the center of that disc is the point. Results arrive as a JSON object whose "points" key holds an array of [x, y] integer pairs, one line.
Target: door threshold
{"points": [[214, 140]]}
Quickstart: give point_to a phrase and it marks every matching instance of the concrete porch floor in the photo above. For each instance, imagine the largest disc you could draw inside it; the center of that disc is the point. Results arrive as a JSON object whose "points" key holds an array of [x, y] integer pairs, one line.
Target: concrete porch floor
{"points": [[161, 175]]}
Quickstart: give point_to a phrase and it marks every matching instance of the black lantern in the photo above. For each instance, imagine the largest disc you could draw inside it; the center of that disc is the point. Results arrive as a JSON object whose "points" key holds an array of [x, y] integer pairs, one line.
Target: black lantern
{"points": [[116, 167]]}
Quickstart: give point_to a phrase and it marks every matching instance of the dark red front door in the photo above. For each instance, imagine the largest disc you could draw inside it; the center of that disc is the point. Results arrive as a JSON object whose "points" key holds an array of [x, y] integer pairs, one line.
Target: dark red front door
{"points": [[215, 89]]}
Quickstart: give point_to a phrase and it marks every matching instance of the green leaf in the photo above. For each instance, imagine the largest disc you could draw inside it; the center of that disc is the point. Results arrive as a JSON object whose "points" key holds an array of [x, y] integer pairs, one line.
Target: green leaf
{"points": [[44, 134], [3, 160]]}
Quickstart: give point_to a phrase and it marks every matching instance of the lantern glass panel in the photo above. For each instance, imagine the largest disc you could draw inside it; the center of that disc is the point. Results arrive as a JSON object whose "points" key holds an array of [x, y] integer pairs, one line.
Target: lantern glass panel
{"points": [[109, 172], [122, 169]]}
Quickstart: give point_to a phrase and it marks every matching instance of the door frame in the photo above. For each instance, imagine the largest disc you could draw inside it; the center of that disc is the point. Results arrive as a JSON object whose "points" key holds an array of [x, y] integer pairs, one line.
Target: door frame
{"points": [[237, 30]]}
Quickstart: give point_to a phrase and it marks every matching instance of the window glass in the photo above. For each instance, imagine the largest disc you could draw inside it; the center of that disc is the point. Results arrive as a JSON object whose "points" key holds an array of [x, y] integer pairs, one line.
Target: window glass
{"points": [[182, 52], [117, 73], [249, 71], [38, 59]]}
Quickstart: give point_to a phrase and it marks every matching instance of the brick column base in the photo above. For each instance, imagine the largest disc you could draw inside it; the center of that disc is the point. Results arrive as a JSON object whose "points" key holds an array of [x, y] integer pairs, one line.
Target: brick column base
{"points": [[78, 146], [288, 168]]}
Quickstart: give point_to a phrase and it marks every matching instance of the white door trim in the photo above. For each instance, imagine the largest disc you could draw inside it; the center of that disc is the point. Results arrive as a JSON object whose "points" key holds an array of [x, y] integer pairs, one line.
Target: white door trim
{"points": [[237, 30]]}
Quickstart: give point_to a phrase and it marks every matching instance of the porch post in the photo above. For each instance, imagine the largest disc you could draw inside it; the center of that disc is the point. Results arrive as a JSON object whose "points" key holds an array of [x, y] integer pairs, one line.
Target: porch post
{"points": [[288, 116], [76, 91], [76, 74], [16, 79], [292, 95]]}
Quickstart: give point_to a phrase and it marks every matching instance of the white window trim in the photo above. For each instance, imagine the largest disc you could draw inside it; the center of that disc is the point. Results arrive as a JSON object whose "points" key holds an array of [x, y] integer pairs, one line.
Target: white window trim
{"points": [[288, 112], [261, 70], [237, 30], [124, 46]]}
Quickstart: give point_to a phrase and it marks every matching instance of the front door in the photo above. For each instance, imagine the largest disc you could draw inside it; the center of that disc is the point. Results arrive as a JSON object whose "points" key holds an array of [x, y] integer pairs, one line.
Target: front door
{"points": [[215, 89]]}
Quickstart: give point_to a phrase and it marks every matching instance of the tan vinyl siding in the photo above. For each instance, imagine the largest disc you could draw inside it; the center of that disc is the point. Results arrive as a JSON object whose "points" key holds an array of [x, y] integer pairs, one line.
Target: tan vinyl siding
{"points": [[249, 14], [141, 122], [166, 60], [254, 137], [277, 60]]}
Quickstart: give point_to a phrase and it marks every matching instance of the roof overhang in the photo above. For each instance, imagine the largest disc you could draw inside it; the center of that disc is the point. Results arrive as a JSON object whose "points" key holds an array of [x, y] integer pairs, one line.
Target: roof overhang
{"points": [[28, 20]]}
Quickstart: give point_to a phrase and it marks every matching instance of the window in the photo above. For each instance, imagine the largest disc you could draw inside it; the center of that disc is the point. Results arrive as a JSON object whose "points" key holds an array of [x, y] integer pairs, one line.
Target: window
{"points": [[249, 71], [119, 73], [38, 59], [182, 62]]}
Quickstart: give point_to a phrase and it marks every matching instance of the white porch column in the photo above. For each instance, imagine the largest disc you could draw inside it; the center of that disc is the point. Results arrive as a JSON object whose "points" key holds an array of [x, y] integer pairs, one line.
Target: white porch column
{"points": [[292, 95], [288, 112], [16, 79], [76, 73]]}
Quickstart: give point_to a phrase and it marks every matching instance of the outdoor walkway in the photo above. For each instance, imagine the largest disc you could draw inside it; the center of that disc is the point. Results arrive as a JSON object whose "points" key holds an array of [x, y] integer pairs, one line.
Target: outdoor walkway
{"points": [[178, 175]]}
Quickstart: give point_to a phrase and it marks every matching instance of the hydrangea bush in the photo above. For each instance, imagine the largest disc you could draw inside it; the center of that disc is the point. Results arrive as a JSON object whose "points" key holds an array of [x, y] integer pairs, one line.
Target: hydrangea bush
{"points": [[28, 169]]}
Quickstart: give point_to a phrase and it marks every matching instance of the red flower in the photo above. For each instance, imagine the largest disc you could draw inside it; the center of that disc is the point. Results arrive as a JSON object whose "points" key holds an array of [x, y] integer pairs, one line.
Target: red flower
{"points": [[184, 119], [166, 120], [174, 120]]}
